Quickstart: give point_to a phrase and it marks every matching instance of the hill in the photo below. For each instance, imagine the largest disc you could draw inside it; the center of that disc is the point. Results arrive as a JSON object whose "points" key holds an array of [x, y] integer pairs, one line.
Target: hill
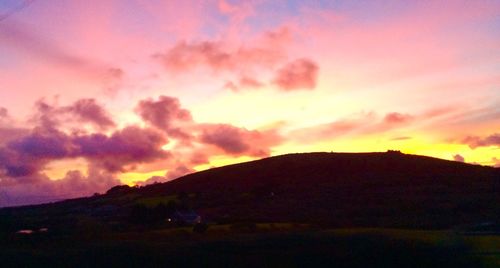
{"points": [[333, 189]]}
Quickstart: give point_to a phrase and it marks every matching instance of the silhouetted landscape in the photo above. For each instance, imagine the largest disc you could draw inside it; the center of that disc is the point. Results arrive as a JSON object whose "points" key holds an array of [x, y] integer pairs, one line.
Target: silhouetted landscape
{"points": [[318, 209]]}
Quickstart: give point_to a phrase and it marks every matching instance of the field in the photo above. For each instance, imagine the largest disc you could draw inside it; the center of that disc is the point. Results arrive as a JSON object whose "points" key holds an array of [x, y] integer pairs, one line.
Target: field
{"points": [[251, 245]]}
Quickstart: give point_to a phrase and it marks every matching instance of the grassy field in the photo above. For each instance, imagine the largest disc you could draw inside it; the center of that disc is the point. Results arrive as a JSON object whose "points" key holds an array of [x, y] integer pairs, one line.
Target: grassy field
{"points": [[157, 200], [251, 245]]}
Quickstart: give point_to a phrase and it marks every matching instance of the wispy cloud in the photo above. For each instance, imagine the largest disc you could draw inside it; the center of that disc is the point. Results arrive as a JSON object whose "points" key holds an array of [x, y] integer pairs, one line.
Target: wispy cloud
{"points": [[19, 36]]}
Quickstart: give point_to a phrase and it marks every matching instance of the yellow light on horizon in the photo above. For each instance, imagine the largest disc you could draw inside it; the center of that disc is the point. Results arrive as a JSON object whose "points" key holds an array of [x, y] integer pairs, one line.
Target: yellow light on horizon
{"points": [[131, 178]]}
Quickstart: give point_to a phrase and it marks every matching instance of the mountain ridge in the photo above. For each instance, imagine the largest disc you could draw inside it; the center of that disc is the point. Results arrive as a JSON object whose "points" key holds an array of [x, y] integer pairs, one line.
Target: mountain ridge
{"points": [[389, 189]]}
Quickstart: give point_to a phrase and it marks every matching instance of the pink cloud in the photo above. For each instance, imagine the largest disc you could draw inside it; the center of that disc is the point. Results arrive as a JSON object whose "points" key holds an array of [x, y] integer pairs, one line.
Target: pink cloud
{"points": [[231, 86], [298, 74], [405, 47], [439, 112], [43, 190], [76, 115], [346, 126], [24, 158], [87, 110], [248, 82], [129, 146], [360, 124], [239, 141], [6, 121], [75, 183], [244, 82], [179, 171], [226, 137], [173, 173], [217, 56], [397, 118], [165, 114], [3, 112], [9, 133], [237, 14], [475, 141], [198, 158], [46, 115], [28, 155], [459, 158], [244, 63], [251, 62], [112, 80], [25, 39], [124, 149]]}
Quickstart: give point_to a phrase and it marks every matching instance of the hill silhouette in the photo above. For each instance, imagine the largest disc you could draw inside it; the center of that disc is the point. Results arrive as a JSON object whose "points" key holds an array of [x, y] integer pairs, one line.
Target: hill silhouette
{"points": [[335, 189], [346, 189]]}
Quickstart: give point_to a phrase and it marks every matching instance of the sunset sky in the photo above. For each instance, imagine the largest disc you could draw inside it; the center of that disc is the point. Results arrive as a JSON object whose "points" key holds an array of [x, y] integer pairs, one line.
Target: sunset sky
{"points": [[98, 93]]}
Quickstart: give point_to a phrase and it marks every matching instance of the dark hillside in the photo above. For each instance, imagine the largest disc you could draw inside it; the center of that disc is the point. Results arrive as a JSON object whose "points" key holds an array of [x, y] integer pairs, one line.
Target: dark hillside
{"points": [[345, 189], [335, 189]]}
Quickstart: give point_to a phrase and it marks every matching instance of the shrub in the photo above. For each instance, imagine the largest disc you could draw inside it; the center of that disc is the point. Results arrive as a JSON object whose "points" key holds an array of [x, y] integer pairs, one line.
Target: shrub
{"points": [[200, 228]]}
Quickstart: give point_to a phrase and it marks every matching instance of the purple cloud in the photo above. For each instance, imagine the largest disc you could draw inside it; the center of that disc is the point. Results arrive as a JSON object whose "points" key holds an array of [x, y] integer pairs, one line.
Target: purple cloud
{"points": [[87, 110], [238, 141], [475, 141], [50, 116], [50, 145], [130, 145], [43, 190], [228, 138], [29, 154], [164, 114], [298, 74]]}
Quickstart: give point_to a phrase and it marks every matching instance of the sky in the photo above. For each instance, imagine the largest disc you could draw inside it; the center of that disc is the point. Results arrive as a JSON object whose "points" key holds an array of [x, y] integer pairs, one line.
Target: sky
{"points": [[99, 93]]}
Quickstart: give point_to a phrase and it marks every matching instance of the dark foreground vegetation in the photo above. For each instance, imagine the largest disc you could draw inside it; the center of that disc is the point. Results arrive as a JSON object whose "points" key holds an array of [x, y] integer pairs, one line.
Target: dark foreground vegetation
{"points": [[283, 211], [262, 247]]}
